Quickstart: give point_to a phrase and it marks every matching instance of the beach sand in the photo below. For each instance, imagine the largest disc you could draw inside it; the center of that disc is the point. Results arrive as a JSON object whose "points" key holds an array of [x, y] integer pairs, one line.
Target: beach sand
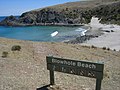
{"points": [[110, 38], [27, 70]]}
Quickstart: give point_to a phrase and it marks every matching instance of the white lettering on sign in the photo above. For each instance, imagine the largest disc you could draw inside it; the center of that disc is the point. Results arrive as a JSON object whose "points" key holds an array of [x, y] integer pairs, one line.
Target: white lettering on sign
{"points": [[85, 65], [72, 63]]}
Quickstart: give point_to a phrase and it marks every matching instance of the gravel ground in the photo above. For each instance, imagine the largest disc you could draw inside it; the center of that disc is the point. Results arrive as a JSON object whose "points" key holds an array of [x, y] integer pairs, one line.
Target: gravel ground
{"points": [[26, 69]]}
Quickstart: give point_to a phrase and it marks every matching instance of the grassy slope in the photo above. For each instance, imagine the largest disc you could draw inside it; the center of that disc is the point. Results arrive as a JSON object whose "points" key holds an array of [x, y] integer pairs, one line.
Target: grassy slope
{"points": [[79, 4], [82, 11]]}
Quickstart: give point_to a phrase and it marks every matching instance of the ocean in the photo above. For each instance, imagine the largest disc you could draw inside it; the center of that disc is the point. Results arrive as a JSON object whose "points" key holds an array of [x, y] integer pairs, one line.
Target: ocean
{"points": [[2, 17], [40, 33]]}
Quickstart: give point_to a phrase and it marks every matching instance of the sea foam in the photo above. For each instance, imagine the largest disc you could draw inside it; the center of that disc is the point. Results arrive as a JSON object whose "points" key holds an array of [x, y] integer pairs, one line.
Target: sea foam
{"points": [[54, 33]]}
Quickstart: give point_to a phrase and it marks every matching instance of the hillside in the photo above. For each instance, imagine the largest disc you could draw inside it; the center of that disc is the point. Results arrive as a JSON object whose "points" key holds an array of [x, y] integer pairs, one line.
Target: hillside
{"points": [[26, 69], [69, 13]]}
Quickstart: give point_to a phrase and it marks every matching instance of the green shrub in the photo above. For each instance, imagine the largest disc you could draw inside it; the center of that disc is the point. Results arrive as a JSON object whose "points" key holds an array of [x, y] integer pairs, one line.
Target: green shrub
{"points": [[86, 46], [104, 48], [93, 46], [16, 48], [108, 49], [5, 54]]}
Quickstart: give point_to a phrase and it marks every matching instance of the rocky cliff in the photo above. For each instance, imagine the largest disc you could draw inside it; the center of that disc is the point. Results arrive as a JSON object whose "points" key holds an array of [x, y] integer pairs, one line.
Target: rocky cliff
{"points": [[69, 13]]}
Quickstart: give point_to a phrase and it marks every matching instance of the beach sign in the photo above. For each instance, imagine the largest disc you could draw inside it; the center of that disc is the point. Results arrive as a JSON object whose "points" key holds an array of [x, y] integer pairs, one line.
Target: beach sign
{"points": [[81, 68]]}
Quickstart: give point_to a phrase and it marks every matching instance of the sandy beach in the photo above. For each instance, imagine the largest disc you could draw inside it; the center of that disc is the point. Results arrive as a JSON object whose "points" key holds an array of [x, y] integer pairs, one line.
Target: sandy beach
{"points": [[75, 41], [110, 37], [26, 69]]}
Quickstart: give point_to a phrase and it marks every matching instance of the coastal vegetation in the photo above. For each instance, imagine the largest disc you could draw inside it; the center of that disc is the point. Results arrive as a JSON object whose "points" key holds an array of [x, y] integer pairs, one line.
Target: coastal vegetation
{"points": [[23, 63], [26, 69], [79, 12], [4, 54], [16, 48]]}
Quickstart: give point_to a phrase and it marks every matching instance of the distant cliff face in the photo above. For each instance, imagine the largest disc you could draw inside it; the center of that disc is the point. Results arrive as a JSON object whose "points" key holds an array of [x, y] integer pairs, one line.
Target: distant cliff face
{"points": [[108, 13], [69, 13]]}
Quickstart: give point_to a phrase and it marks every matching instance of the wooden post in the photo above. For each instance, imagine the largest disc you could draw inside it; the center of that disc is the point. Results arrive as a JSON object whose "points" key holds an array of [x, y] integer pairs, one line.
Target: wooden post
{"points": [[98, 84], [52, 81]]}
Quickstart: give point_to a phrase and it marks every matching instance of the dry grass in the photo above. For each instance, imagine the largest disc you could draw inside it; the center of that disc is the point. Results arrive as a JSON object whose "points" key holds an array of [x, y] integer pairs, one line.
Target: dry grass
{"points": [[26, 69]]}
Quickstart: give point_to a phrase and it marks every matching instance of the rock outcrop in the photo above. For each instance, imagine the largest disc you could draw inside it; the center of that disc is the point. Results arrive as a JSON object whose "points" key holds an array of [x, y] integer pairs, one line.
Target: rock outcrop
{"points": [[69, 14]]}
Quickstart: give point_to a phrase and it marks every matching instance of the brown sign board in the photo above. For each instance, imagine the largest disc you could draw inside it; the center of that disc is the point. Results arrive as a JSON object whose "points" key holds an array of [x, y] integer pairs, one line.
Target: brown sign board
{"points": [[81, 68]]}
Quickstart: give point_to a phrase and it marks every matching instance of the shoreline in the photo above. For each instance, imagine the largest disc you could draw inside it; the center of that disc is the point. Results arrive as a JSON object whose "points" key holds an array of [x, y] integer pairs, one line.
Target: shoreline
{"points": [[42, 24], [109, 39], [26, 69], [88, 36]]}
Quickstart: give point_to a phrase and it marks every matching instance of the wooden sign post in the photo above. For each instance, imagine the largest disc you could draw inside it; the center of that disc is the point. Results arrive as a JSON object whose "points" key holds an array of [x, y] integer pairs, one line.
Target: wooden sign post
{"points": [[81, 68]]}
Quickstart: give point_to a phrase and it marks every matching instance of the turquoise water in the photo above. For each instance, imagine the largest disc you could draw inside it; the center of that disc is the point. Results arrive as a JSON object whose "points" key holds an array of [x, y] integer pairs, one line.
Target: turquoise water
{"points": [[40, 33]]}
